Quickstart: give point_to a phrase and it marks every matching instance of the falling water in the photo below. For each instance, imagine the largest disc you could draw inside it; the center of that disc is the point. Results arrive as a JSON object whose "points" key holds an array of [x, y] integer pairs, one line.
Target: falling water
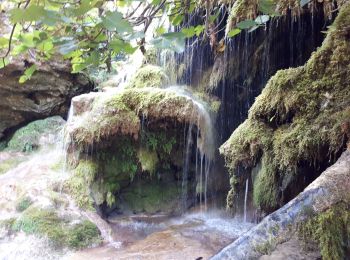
{"points": [[205, 148], [186, 163], [245, 200]]}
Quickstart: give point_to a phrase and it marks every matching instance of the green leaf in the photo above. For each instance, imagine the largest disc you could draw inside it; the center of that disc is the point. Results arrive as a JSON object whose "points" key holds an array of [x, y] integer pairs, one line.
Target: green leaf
{"points": [[199, 29], [173, 41], [246, 24], [262, 19], [212, 18], [177, 19], [267, 7], [155, 2], [189, 32], [30, 14], [160, 30], [27, 74], [234, 32], [3, 42], [118, 46], [304, 2], [68, 47], [45, 46], [115, 21], [4, 62], [84, 7]]}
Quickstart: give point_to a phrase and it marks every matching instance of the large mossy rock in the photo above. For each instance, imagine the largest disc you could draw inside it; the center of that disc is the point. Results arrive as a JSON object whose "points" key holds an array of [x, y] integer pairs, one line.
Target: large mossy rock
{"points": [[47, 93], [121, 113], [297, 127], [128, 147]]}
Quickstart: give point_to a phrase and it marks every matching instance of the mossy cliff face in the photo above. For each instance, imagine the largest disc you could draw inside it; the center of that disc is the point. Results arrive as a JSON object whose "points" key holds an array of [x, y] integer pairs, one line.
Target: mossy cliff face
{"points": [[128, 149], [297, 126]]}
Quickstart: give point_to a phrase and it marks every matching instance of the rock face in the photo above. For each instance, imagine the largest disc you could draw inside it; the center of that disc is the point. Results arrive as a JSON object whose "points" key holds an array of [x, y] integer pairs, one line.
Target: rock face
{"points": [[318, 201], [47, 93]]}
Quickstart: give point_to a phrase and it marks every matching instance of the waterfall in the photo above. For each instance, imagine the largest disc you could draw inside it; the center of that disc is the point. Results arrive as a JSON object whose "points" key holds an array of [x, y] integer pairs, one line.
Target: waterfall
{"points": [[187, 155], [245, 199]]}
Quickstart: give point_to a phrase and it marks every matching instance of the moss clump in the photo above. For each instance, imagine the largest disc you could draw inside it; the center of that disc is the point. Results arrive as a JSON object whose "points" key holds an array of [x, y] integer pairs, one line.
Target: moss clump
{"points": [[47, 223], [23, 203], [266, 188], [330, 230], [149, 76], [83, 235], [148, 160], [78, 185], [27, 138], [120, 114], [301, 116]]}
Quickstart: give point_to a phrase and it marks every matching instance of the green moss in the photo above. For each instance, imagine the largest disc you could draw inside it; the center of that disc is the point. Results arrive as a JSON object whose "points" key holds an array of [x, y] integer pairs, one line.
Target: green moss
{"points": [[299, 117], [57, 199], [330, 230], [120, 114], [79, 183], [7, 223], [148, 76], [152, 197], [148, 160], [47, 223], [26, 139], [11, 163], [266, 188], [23, 203], [83, 235]]}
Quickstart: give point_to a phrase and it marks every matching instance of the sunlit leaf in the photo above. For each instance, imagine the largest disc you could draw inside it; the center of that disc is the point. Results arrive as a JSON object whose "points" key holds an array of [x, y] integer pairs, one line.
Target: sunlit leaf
{"points": [[262, 19], [4, 62], [28, 74], [189, 32], [115, 21], [246, 24], [212, 18], [234, 32]]}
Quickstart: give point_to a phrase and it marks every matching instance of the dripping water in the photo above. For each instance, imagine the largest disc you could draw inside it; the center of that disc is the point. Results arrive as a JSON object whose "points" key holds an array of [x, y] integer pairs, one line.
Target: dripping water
{"points": [[245, 200]]}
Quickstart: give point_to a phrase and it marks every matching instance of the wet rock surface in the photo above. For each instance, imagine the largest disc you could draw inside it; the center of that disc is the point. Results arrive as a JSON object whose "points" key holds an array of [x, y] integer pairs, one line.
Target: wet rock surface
{"points": [[47, 93], [331, 188]]}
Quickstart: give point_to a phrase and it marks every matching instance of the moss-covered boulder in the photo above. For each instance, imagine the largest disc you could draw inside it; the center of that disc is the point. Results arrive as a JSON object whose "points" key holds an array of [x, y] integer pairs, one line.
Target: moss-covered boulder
{"points": [[297, 127], [47, 223], [149, 76], [121, 113], [36, 134], [130, 136]]}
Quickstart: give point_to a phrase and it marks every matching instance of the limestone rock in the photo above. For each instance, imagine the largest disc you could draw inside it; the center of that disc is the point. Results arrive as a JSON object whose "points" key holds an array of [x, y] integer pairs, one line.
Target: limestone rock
{"points": [[47, 93]]}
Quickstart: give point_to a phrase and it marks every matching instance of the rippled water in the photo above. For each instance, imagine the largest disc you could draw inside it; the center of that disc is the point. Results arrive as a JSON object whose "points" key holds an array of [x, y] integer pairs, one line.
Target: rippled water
{"points": [[196, 235]]}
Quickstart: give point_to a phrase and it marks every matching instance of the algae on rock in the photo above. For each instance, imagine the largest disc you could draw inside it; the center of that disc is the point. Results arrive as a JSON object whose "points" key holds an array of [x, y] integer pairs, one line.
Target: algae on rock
{"points": [[300, 122]]}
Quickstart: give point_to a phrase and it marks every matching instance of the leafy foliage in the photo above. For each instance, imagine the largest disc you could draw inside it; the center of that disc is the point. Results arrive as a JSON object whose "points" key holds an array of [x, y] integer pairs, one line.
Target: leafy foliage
{"points": [[91, 33]]}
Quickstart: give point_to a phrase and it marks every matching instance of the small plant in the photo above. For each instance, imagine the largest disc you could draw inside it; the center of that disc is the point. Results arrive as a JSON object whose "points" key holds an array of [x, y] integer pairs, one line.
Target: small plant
{"points": [[23, 204]]}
